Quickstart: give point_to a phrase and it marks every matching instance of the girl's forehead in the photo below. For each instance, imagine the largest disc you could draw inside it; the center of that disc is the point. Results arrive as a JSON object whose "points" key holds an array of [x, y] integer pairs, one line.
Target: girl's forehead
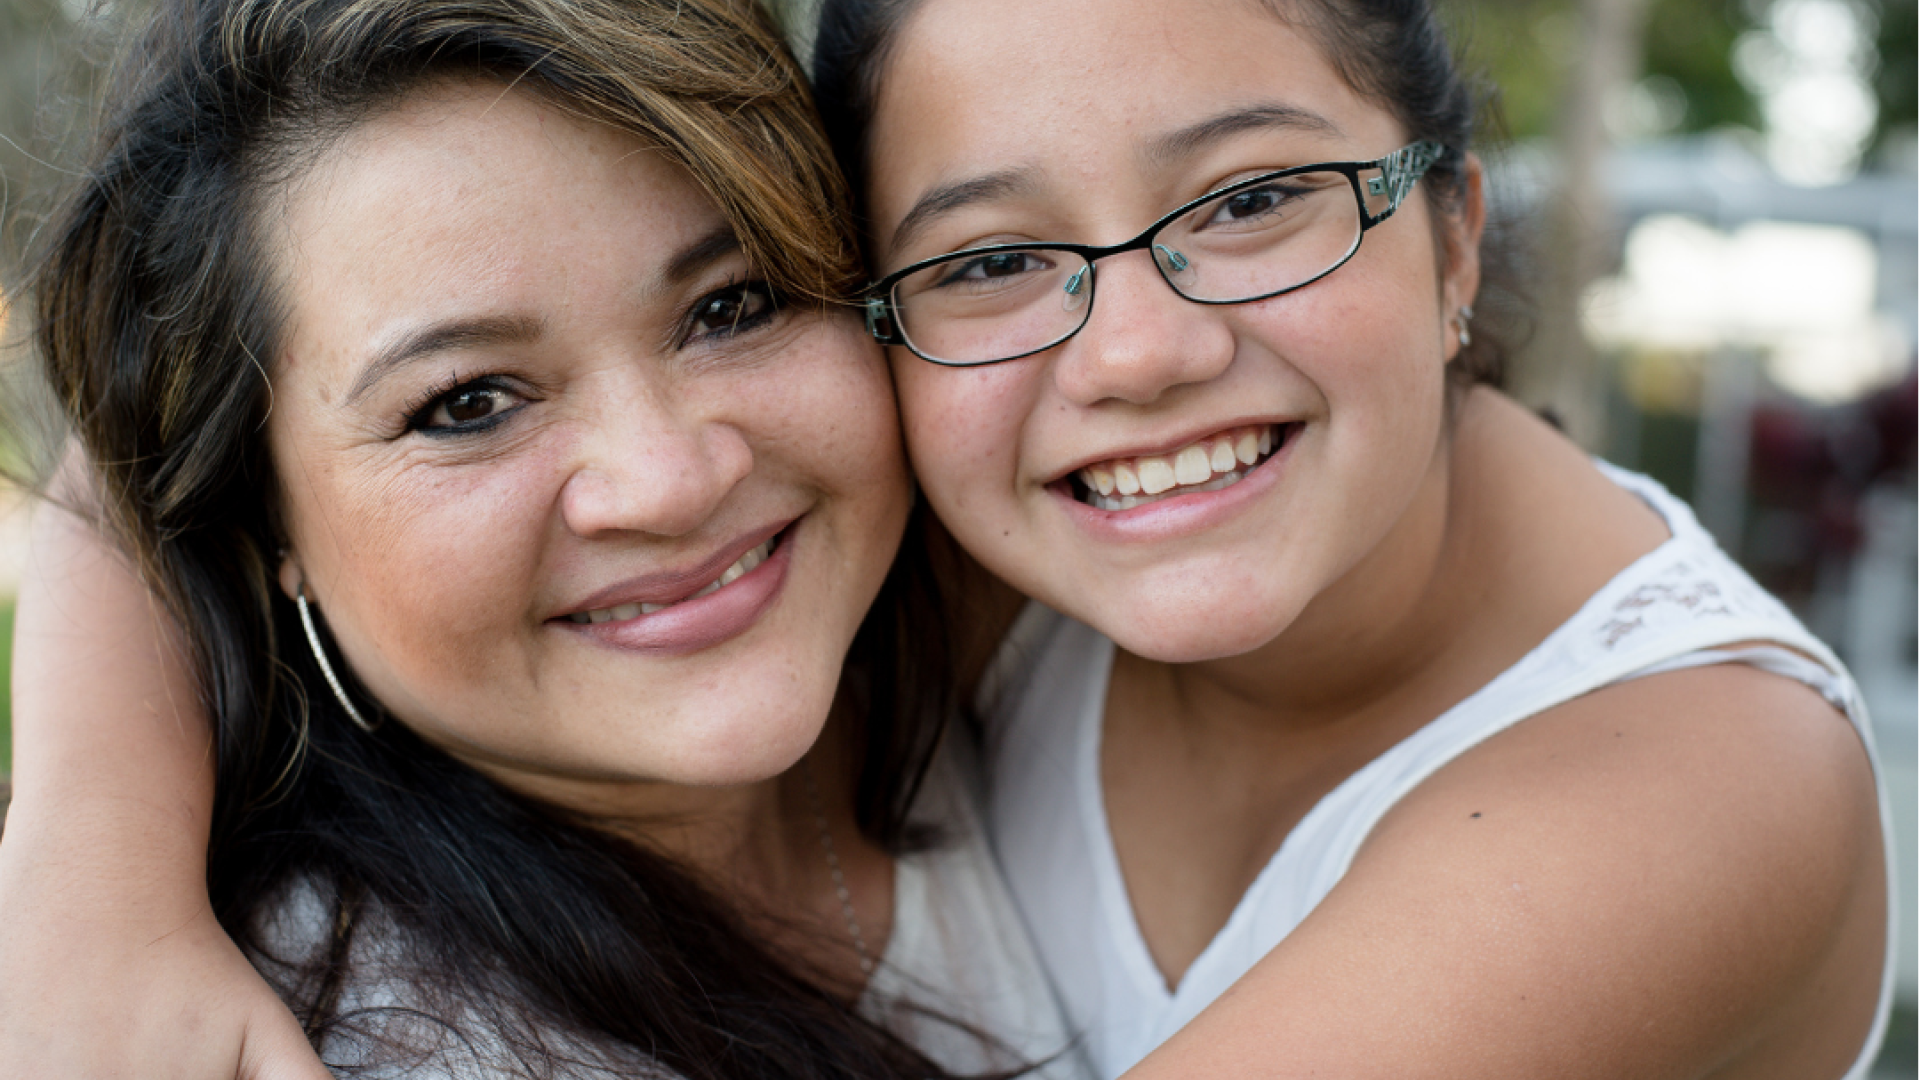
{"points": [[1072, 93]]}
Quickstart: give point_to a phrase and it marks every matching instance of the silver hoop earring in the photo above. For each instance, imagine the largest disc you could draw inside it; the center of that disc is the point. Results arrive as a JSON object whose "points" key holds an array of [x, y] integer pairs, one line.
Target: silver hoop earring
{"points": [[1466, 316], [326, 669]]}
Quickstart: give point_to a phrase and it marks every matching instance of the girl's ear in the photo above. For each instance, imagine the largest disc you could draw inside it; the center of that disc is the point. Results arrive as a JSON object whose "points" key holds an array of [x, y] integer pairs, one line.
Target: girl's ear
{"points": [[1463, 229], [1460, 281]]}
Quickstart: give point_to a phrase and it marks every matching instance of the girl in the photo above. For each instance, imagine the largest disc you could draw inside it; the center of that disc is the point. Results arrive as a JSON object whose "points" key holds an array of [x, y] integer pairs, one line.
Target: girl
{"points": [[1197, 284]]}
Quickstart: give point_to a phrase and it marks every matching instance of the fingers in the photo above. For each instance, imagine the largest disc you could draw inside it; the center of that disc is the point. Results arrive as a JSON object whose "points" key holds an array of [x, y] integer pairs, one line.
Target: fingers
{"points": [[276, 1049]]}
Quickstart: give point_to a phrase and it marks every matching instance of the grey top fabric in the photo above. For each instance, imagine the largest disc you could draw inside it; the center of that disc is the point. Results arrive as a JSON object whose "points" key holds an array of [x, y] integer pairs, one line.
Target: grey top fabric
{"points": [[957, 966]]}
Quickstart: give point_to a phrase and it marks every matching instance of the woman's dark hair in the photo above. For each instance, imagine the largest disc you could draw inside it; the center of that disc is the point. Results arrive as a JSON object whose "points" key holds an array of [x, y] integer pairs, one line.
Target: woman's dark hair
{"points": [[1393, 52], [158, 319]]}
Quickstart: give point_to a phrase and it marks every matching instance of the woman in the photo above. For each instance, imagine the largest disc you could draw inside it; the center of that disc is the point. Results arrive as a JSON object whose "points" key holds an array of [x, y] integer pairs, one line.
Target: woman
{"points": [[1273, 753], [490, 337]]}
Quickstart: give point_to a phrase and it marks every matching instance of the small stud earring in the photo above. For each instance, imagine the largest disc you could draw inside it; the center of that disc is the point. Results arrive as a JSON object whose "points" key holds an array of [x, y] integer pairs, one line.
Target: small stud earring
{"points": [[1465, 316]]}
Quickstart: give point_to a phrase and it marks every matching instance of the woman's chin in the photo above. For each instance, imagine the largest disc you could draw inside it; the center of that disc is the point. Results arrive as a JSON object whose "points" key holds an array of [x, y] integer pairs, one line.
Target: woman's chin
{"points": [[741, 746]]}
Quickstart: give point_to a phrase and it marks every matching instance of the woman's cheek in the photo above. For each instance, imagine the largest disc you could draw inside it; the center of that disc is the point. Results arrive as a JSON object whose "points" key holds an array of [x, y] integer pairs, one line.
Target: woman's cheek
{"points": [[438, 575]]}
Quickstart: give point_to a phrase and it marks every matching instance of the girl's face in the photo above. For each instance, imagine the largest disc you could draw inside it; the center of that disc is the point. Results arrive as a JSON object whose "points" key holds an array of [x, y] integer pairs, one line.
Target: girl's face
{"points": [[578, 500], [1003, 121]]}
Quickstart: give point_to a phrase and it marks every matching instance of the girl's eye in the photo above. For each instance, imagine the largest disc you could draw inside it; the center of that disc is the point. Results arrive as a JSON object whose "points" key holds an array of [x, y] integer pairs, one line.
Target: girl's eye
{"points": [[467, 408], [1252, 204], [1248, 203], [731, 310], [997, 266]]}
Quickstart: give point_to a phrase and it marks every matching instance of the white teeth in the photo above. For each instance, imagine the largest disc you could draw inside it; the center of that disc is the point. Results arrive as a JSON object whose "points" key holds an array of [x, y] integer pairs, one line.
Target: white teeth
{"points": [[1203, 466], [623, 612], [1192, 466], [1156, 475], [1246, 448]]}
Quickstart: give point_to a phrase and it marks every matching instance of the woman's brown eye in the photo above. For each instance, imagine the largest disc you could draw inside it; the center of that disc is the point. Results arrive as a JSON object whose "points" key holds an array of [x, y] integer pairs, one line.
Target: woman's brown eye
{"points": [[733, 308], [470, 405]]}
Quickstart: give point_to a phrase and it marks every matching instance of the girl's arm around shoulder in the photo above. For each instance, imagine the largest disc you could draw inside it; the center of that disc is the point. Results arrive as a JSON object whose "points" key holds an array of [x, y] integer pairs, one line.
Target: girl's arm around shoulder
{"points": [[112, 963], [1680, 876]]}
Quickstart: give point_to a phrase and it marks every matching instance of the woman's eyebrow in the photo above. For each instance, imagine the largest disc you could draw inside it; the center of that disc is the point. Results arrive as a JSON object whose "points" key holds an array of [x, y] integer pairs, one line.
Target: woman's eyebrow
{"points": [[947, 198], [445, 336], [1175, 146], [717, 244], [488, 330]]}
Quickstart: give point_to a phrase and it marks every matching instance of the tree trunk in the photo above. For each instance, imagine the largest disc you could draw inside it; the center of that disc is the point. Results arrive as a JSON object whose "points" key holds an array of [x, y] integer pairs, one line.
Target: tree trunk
{"points": [[1561, 370]]}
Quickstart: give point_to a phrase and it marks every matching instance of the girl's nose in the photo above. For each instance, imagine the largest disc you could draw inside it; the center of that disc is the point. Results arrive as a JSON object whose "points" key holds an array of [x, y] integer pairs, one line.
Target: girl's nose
{"points": [[1141, 339]]}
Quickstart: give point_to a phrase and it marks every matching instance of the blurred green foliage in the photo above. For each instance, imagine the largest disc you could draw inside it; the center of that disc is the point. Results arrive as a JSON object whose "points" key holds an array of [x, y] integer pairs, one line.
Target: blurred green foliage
{"points": [[1899, 75], [1691, 42], [1526, 47]]}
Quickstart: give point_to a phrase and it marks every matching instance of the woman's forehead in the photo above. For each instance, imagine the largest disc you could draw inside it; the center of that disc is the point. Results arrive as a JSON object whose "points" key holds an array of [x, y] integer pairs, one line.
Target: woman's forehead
{"points": [[467, 201]]}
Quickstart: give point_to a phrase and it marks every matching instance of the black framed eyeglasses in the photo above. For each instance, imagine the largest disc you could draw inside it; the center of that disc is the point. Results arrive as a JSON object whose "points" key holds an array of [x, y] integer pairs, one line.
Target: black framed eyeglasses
{"points": [[1251, 240]]}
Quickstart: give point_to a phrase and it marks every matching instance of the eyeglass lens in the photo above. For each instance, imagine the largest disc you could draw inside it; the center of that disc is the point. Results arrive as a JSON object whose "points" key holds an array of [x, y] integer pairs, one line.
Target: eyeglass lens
{"points": [[1251, 243]]}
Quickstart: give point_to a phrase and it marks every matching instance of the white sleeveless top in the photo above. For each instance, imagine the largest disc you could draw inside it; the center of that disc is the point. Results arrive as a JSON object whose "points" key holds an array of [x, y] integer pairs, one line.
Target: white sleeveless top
{"points": [[1045, 699]]}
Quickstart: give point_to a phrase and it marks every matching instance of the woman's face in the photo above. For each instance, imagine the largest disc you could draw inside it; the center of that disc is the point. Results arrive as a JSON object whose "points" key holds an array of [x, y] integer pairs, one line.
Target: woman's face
{"points": [[535, 416], [1084, 121]]}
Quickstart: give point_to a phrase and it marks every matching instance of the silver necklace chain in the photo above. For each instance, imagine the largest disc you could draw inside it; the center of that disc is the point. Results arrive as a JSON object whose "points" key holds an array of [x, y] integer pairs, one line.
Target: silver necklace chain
{"points": [[839, 877]]}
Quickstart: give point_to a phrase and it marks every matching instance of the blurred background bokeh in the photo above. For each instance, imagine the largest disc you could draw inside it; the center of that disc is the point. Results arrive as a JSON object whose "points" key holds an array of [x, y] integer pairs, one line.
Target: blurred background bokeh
{"points": [[1718, 200]]}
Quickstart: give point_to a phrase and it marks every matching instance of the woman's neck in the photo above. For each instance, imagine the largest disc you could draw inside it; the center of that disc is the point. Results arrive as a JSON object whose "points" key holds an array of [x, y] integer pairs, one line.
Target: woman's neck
{"points": [[761, 846]]}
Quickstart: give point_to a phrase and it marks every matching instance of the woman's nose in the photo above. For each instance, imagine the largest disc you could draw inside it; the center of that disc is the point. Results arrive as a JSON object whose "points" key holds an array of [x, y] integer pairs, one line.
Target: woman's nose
{"points": [[647, 467], [1141, 339]]}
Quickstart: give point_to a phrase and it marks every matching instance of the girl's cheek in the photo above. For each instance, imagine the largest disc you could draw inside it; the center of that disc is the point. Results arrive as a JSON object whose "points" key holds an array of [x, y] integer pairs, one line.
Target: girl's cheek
{"points": [[964, 419]]}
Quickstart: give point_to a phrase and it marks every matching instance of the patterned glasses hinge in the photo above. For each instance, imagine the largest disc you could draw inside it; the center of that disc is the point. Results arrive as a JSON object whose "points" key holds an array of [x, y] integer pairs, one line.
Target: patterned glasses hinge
{"points": [[1400, 170]]}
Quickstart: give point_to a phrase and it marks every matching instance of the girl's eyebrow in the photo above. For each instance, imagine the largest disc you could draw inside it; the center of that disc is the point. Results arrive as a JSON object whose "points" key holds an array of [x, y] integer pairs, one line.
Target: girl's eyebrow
{"points": [[945, 199], [1175, 146], [1163, 151]]}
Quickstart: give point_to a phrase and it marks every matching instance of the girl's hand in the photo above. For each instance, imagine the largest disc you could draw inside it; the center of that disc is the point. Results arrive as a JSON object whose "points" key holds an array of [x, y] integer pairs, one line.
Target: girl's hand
{"points": [[97, 984], [111, 962]]}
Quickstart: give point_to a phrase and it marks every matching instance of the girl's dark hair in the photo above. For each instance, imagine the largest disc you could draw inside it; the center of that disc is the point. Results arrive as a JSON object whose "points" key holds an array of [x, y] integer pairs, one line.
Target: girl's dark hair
{"points": [[157, 318], [1394, 52]]}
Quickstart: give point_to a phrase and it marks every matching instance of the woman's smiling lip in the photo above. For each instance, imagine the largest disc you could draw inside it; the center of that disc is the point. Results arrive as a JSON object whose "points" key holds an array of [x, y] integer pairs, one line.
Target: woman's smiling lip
{"points": [[701, 621], [1178, 515], [673, 586]]}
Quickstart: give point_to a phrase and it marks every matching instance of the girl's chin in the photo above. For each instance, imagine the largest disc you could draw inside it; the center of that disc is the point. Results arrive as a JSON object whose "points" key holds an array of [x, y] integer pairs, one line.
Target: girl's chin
{"points": [[1186, 634]]}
